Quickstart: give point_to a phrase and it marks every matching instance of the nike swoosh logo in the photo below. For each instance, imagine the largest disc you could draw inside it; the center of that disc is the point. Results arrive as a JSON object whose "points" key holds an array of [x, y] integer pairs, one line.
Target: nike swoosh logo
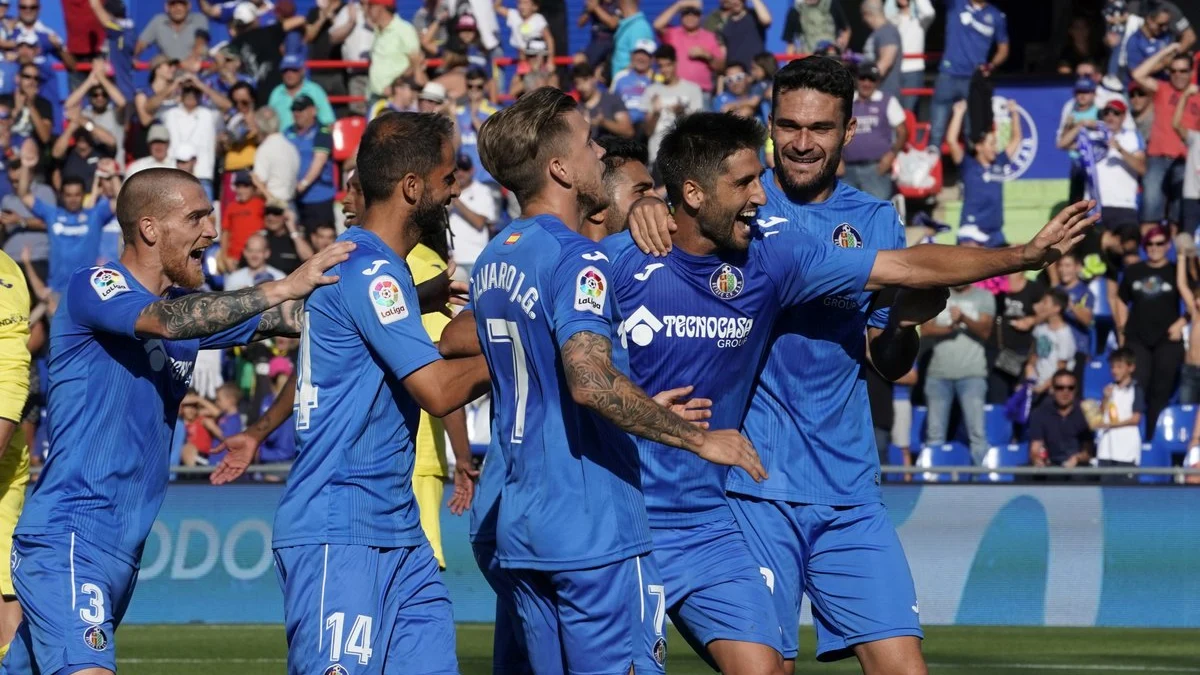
{"points": [[595, 256], [375, 265], [645, 274]]}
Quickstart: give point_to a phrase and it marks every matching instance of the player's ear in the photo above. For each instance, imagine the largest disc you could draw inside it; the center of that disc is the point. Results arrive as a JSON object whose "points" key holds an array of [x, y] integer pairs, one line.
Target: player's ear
{"points": [[411, 186], [693, 195], [851, 128], [150, 229], [558, 171]]}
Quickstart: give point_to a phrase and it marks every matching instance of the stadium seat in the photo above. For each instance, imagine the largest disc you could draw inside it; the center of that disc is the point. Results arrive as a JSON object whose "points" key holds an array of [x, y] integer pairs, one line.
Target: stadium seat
{"points": [[347, 132], [949, 454], [1171, 435], [1096, 377], [996, 425], [999, 456]]}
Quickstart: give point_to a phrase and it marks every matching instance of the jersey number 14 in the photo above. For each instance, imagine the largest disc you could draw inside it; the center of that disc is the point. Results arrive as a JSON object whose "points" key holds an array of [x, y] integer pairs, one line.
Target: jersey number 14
{"points": [[306, 393]]}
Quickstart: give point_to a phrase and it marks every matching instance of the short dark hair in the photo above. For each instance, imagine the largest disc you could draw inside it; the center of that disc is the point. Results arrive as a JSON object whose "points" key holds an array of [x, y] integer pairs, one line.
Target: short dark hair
{"points": [[147, 193], [768, 62], [736, 64], [243, 85], [618, 150], [666, 52], [396, 144], [582, 71], [1122, 355], [819, 73], [1059, 297], [73, 180], [1063, 372], [516, 143], [698, 145]]}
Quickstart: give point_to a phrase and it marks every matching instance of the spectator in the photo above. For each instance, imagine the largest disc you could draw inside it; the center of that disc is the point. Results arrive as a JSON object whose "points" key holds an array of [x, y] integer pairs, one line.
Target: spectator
{"points": [[882, 46], [280, 445], [983, 168], [74, 232], [1082, 45], [322, 237], [227, 76], [912, 18], [197, 126], [737, 97], [351, 22], [75, 154], [158, 141], [255, 270], [173, 32], [1119, 437], [160, 94], [85, 36], [452, 75], [239, 139], [1081, 307], [240, 218], [1121, 166], [741, 30], [467, 40], [1141, 109], [118, 43], [295, 85], [630, 84], [103, 114], [469, 119], [229, 421], [25, 231], [27, 55], [1153, 36], [401, 97], [1059, 434], [198, 416], [286, 244], [1189, 376], [107, 184], [315, 189], [604, 16], [1012, 341], [604, 111], [701, 56], [536, 71], [396, 49], [32, 114], [48, 41], [1166, 153], [881, 134], [1154, 328], [669, 99], [958, 366], [762, 74], [634, 29], [1190, 135], [525, 23], [812, 23], [432, 98], [1083, 117], [972, 27], [430, 23], [276, 162], [1054, 343], [472, 215]]}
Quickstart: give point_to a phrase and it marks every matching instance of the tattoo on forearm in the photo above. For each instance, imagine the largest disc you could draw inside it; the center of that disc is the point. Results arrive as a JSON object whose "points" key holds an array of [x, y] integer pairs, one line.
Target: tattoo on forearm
{"points": [[588, 365], [201, 314], [284, 320]]}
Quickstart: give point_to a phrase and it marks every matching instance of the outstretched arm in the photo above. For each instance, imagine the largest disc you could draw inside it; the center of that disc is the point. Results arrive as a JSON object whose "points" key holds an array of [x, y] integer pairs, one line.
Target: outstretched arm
{"points": [[243, 448]]}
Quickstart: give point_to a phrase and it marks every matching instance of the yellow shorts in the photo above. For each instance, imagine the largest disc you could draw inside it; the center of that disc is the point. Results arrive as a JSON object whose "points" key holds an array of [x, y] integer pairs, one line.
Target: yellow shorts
{"points": [[429, 491], [14, 480]]}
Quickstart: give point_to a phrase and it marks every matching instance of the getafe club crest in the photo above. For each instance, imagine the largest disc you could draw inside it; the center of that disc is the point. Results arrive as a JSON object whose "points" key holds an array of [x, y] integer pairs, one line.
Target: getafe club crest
{"points": [[846, 236], [726, 282]]}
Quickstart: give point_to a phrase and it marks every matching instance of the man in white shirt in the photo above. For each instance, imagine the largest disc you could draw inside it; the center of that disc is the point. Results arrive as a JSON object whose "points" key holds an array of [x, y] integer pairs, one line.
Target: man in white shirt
{"points": [[668, 99], [1119, 172], [276, 161], [256, 269], [160, 157], [472, 216], [351, 21], [197, 126]]}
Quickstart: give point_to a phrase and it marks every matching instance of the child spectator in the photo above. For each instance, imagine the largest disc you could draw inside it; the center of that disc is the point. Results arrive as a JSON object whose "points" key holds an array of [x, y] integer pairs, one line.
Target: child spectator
{"points": [[983, 166], [240, 218], [280, 445], [199, 415], [230, 422], [1054, 344], [525, 23], [1119, 439], [1081, 306], [737, 97], [630, 84]]}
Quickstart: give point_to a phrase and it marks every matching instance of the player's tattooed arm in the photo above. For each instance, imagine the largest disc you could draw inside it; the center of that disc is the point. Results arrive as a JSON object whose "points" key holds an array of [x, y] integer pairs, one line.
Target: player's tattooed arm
{"points": [[285, 320], [597, 384], [201, 314]]}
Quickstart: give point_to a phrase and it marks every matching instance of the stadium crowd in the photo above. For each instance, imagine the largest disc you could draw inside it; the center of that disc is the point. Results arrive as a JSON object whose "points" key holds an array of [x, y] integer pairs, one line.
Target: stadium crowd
{"points": [[272, 140]]}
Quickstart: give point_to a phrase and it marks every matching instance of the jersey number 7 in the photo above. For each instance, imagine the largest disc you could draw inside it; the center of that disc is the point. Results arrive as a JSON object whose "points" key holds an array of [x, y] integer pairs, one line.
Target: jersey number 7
{"points": [[500, 330], [306, 393]]}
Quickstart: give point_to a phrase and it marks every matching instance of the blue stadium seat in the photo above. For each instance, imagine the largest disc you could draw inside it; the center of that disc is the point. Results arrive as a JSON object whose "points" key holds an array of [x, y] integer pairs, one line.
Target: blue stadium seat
{"points": [[1096, 377], [920, 412], [998, 456], [950, 454], [996, 425], [1171, 435]]}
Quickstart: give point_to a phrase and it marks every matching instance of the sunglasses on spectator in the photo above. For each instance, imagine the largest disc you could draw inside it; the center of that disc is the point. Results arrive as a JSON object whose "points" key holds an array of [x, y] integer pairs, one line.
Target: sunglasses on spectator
{"points": [[1156, 243], [242, 101], [1137, 92], [1110, 111], [27, 76], [1064, 387], [736, 77], [478, 86], [1180, 71], [28, 7]]}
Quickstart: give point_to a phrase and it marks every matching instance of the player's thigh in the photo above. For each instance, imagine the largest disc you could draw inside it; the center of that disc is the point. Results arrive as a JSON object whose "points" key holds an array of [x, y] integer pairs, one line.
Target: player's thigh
{"points": [[422, 639], [716, 592], [509, 656], [858, 580], [892, 656], [612, 618], [534, 608], [72, 594], [774, 543]]}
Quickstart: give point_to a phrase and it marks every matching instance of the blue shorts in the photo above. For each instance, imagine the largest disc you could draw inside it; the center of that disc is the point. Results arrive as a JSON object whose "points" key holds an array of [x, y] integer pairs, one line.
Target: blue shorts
{"points": [[509, 656], [362, 610], [74, 595], [715, 590], [597, 621], [849, 562]]}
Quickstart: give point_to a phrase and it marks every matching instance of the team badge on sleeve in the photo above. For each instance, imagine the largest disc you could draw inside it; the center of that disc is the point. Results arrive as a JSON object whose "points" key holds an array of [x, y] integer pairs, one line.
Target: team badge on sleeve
{"points": [[846, 236], [108, 283], [590, 291], [387, 300], [95, 638]]}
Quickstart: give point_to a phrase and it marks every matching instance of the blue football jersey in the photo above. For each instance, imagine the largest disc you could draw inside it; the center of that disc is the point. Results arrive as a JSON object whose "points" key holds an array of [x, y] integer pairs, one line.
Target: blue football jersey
{"points": [[809, 417], [113, 401], [571, 496], [705, 321], [351, 482]]}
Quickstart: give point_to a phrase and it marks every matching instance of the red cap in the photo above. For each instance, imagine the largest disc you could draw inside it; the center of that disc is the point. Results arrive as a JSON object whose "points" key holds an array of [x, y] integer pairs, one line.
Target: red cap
{"points": [[383, 3], [1118, 105]]}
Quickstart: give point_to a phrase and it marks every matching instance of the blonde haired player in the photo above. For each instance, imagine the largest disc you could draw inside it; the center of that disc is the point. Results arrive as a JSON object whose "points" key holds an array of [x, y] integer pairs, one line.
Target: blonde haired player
{"points": [[14, 452]]}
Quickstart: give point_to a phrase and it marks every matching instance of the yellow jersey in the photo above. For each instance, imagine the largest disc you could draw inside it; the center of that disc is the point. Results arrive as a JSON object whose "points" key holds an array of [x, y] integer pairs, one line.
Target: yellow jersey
{"points": [[14, 341], [431, 435]]}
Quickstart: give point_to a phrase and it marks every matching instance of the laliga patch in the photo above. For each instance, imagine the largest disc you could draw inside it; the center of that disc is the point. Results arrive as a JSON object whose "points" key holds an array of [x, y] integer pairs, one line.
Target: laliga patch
{"points": [[95, 638], [108, 283], [590, 291], [846, 236], [387, 300]]}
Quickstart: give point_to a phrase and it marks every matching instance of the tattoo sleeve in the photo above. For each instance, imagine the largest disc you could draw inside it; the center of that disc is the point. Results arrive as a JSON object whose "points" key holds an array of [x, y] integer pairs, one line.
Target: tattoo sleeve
{"points": [[201, 314], [597, 384], [284, 320]]}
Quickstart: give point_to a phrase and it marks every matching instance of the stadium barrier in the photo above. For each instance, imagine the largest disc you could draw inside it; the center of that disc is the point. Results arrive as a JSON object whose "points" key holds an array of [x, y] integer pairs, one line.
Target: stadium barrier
{"points": [[1001, 554]]}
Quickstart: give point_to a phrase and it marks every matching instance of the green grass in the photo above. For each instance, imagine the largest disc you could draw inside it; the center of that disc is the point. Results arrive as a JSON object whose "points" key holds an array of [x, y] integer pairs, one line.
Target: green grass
{"points": [[251, 650]]}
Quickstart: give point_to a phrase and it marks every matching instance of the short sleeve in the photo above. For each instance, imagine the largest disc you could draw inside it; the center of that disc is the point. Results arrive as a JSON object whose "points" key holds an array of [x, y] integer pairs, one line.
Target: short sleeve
{"points": [[1139, 399], [1001, 28], [895, 113], [323, 141], [580, 300], [233, 336], [147, 34], [104, 300], [805, 268], [384, 309], [46, 212]]}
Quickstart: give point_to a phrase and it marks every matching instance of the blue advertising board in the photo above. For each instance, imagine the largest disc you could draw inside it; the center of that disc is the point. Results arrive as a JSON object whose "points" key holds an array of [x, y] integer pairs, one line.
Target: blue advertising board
{"points": [[981, 555]]}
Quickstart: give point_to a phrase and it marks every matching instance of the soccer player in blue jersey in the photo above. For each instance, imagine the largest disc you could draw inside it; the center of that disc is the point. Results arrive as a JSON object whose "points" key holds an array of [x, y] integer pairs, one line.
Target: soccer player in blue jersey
{"points": [[122, 345], [817, 525], [348, 543], [571, 529]]}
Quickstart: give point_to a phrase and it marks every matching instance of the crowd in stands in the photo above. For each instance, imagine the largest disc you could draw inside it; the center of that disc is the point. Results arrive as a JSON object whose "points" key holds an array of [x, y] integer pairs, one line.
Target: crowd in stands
{"points": [[272, 140]]}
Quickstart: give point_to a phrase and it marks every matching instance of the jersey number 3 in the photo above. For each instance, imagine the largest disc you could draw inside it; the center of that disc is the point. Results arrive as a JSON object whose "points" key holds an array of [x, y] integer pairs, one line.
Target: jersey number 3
{"points": [[500, 330], [306, 393]]}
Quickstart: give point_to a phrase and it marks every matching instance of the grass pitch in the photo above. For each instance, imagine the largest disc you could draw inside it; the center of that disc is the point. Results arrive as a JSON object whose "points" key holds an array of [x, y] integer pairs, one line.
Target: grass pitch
{"points": [[254, 650]]}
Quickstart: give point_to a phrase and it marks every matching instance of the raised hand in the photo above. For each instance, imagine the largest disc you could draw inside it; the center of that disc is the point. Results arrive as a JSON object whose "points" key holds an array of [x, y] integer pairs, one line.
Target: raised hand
{"points": [[242, 449], [1060, 235], [730, 448], [311, 274], [694, 410], [651, 225]]}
